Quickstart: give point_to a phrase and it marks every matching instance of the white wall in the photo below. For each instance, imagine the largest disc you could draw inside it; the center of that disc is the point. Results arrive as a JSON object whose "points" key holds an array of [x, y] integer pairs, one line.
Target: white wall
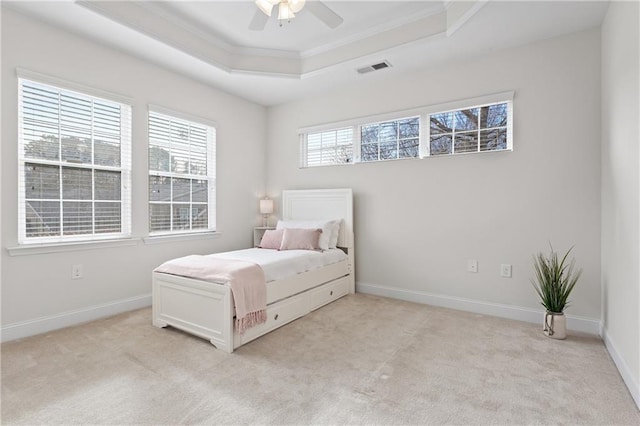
{"points": [[418, 221], [36, 288], [621, 189]]}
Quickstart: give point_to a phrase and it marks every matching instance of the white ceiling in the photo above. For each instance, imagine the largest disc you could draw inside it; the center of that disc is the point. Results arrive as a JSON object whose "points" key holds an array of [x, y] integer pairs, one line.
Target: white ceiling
{"points": [[210, 40], [227, 21]]}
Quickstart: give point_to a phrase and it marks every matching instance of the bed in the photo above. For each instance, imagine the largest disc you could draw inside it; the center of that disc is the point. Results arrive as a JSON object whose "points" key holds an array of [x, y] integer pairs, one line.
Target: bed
{"points": [[207, 309]]}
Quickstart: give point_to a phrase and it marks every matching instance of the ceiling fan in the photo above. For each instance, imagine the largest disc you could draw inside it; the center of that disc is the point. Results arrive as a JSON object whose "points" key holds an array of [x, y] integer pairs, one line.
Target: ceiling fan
{"points": [[287, 10]]}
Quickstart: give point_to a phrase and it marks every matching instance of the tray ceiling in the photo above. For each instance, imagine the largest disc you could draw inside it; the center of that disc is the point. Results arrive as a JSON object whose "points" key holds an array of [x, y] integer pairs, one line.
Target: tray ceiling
{"points": [[210, 40]]}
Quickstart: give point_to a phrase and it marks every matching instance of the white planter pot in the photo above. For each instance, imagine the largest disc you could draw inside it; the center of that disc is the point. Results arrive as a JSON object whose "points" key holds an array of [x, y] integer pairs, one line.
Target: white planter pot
{"points": [[555, 325]]}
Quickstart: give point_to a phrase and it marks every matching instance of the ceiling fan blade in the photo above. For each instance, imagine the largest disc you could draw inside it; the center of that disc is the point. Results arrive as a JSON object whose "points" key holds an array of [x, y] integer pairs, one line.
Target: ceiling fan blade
{"points": [[324, 13], [259, 21]]}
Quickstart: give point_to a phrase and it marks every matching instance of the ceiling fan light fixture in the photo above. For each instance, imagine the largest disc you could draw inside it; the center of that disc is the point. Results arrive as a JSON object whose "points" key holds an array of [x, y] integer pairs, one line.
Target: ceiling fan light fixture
{"points": [[285, 12], [296, 5], [266, 5]]}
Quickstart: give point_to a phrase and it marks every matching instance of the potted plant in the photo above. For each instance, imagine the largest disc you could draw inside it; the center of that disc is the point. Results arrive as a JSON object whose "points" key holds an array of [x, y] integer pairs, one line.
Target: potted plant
{"points": [[554, 281]]}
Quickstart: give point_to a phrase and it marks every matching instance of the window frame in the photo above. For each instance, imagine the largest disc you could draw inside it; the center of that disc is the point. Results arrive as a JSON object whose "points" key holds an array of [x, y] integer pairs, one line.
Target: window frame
{"points": [[125, 121], [459, 106], [397, 140], [423, 113], [210, 176], [304, 146]]}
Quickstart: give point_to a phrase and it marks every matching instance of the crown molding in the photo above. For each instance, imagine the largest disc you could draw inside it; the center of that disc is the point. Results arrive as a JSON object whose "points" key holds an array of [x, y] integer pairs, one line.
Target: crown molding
{"points": [[159, 22], [371, 32]]}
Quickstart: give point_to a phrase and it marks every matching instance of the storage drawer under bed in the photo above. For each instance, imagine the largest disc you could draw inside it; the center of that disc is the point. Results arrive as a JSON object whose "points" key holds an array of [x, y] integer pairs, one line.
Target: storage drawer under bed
{"points": [[277, 315], [287, 310], [328, 293]]}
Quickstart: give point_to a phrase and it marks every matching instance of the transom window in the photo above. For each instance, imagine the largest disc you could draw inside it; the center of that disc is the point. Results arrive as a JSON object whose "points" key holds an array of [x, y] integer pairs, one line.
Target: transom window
{"points": [[181, 175], [390, 140], [329, 147], [75, 163], [475, 125], [469, 130]]}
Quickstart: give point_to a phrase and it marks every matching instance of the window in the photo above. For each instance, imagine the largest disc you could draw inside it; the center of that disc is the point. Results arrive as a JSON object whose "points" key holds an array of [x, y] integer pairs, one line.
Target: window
{"points": [[181, 175], [328, 147], [477, 129], [74, 165], [390, 140], [481, 124]]}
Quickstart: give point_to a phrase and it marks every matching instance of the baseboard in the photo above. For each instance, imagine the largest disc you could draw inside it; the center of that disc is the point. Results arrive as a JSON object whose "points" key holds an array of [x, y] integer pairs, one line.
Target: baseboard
{"points": [[623, 368], [576, 323], [40, 325]]}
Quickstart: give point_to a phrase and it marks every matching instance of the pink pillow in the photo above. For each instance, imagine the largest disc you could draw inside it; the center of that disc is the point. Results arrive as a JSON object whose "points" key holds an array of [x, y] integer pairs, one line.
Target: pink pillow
{"points": [[301, 239], [271, 239]]}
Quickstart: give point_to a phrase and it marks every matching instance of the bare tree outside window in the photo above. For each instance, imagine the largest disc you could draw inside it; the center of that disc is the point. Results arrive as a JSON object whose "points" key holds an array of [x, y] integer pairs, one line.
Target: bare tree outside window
{"points": [[482, 128], [469, 130], [390, 140]]}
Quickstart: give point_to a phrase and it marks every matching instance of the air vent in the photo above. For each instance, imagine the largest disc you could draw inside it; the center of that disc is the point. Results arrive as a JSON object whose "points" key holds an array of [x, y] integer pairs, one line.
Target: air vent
{"points": [[374, 67]]}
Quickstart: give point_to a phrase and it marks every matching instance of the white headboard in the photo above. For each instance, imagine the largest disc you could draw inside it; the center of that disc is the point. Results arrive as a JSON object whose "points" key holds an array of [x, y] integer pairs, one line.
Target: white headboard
{"points": [[313, 204]]}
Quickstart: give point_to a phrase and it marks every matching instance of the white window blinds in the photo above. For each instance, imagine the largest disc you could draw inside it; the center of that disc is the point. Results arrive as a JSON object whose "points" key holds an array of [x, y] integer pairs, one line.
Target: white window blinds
{"points": [[327, 147], [74, 165], [181, 175]]}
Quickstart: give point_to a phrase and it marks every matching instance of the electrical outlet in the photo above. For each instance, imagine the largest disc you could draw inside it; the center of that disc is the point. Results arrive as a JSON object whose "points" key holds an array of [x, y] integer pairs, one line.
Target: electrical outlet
{"points": [[472, 265], [505, 270], [76, 272]]}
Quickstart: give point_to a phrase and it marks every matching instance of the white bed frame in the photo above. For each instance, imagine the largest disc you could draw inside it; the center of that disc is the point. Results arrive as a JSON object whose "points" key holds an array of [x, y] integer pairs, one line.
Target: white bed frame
{"points": [[207, 310]]}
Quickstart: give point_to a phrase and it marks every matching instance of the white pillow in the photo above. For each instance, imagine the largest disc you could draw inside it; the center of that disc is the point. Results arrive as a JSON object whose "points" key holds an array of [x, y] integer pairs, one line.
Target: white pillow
{"points": [[327, 227], [335, 232]]}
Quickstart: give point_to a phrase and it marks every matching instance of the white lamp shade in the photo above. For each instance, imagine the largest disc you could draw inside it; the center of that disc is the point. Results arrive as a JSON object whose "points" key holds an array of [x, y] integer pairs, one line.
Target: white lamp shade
{"points": [[266, 206]]}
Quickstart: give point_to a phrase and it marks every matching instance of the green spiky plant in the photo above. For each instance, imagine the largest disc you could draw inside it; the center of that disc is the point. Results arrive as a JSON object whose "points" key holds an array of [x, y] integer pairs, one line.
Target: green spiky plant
{"points": [[554, 279]]}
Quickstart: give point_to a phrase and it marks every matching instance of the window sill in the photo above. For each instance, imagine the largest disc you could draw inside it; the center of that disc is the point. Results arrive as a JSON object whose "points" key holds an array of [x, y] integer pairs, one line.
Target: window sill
{"points": [[31, 249], [170, 238]]}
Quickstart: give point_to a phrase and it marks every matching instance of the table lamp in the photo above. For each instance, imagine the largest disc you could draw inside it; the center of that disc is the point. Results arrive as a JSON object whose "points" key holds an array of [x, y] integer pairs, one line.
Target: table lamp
{"points": [[266, 208]]}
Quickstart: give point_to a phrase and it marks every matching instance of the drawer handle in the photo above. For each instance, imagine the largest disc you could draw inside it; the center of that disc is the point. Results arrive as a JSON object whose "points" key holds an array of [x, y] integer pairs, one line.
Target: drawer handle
{"points": [[331, 294], [276, 317]]}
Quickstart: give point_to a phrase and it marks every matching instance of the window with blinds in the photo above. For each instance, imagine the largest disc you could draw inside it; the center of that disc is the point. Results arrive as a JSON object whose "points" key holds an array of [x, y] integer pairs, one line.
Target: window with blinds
{"points": [[74, 165], [482, 124], [181, 175], [327, 147]]}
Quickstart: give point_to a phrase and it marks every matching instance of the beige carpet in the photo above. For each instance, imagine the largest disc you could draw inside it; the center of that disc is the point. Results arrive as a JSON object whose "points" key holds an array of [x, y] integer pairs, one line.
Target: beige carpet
{"points": [[362, 359]]}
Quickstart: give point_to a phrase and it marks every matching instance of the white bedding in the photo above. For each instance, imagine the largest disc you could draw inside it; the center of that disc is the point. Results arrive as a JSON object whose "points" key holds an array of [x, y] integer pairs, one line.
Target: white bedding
{"points": [[282, 264]]}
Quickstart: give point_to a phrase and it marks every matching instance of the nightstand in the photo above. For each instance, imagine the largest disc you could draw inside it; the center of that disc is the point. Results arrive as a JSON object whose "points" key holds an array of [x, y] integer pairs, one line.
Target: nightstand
{"points": [[258, 232]]}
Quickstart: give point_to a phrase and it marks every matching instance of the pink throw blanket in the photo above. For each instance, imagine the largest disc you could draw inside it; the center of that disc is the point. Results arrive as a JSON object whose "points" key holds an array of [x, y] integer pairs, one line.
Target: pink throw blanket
{"points": [[246, 280]]}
